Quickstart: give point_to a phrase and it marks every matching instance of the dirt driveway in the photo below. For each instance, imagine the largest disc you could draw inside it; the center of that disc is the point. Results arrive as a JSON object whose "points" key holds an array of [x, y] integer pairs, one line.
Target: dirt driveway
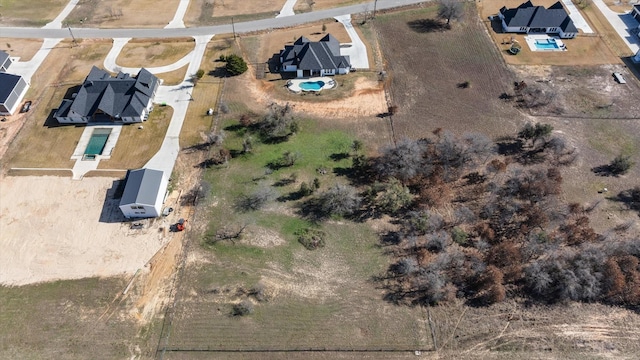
{"points": [[56, 228]]}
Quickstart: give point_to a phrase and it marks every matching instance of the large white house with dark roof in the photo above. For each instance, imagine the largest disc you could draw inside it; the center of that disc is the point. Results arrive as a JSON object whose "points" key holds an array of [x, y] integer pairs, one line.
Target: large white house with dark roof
{"points": [[103, 98], [12, 87], [529, 19], [144, 193], [314, 58]]}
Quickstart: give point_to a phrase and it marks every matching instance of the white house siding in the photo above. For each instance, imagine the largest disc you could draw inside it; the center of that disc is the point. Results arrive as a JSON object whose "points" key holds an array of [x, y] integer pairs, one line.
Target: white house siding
{"points": [[343, 71], [139, 211]]}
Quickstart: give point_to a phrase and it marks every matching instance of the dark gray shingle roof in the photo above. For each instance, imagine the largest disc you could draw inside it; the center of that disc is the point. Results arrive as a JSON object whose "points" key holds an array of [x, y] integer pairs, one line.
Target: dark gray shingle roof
{"points": [[528, 15], [143, 186], [309, 55], [117, 96]]}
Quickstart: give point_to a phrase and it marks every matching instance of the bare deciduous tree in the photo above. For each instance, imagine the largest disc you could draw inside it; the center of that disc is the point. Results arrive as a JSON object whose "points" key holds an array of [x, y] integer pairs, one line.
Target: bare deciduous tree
{"points": [[450, 10]]}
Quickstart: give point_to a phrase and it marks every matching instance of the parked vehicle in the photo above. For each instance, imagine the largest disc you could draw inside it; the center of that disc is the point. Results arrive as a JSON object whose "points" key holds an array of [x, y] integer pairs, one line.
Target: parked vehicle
{"points": [[26, 107], [619, 78]]}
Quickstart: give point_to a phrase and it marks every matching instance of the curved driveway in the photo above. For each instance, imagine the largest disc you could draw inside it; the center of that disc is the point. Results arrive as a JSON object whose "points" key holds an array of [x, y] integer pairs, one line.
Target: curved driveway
{"points": [[242, 27]]}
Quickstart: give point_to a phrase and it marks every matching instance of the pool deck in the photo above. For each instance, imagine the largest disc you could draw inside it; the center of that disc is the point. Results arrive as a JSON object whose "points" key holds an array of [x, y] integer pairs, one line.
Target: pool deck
{"points": [[82, 165], [294, 84], [531, 42]]}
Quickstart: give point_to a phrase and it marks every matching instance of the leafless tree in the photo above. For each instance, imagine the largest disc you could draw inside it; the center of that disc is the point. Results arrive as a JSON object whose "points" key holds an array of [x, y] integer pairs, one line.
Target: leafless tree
{"points": [[404, 162], [450, 10]]}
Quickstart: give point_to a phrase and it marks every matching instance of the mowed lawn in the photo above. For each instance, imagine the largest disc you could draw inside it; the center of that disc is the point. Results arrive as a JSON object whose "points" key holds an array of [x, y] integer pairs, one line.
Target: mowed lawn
{"points": [[426, 69]]}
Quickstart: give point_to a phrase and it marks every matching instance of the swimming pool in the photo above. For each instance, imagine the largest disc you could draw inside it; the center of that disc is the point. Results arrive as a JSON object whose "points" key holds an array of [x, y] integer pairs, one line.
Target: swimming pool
{"points": [[547, 44], [97, 141], [312, 85]]}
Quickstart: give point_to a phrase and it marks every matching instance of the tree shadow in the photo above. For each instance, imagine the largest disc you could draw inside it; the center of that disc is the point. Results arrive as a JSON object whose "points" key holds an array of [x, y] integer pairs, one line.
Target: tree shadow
{"points": [[603, 170], [219, 72], [339, 156], [234, 128], [198, 147], [630, 198], [292, 196], [509, 146], [428, 25]]}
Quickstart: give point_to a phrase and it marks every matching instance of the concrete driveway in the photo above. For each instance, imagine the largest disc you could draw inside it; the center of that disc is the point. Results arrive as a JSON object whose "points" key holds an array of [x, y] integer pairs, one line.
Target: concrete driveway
{"points": [[356, 50], [622, 24]]}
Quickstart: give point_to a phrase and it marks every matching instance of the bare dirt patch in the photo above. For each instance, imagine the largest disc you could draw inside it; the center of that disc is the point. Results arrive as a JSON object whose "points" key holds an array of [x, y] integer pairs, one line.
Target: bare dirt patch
{"points": [[367, 99], [69, 239], [261, 237]]}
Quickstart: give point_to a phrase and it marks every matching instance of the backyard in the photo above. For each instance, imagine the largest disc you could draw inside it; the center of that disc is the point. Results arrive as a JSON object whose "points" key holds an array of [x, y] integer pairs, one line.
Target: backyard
{"points": [[585, 49]]}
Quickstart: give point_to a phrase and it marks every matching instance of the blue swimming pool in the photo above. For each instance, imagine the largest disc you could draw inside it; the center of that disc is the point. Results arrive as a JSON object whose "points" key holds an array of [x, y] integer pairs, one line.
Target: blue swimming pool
{"points": [[547, 44], [97, 141], [312, 85]]}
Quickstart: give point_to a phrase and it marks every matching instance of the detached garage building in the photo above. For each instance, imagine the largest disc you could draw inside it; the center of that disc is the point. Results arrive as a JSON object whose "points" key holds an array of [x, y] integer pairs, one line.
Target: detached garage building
{"points": [[144, 193], [12, 87]]}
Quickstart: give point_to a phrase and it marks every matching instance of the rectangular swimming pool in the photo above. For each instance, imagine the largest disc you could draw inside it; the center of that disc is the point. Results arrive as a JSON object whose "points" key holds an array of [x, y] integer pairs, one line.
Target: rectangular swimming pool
{"points": [[97, 141], [547, 44]]}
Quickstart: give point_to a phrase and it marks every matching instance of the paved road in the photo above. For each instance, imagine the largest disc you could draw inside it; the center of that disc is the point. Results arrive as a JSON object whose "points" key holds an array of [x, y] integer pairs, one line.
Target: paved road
{"points": [[243, 27]]}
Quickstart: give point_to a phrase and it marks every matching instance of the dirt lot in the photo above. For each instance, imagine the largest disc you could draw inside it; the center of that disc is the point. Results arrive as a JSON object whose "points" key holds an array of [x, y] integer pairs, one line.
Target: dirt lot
{"points": [[66, 241]]}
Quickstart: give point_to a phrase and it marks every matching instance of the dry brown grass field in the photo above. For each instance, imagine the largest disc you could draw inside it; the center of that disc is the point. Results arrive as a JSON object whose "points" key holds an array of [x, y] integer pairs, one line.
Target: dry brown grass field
{"points": [[22, 48], [205, 95], [154, 52], [122, 13], [425, 69], [34, 13]]}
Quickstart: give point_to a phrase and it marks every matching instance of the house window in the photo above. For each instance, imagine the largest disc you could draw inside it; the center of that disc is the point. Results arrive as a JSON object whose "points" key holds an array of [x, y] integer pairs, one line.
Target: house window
{"points": [[524, 28]]}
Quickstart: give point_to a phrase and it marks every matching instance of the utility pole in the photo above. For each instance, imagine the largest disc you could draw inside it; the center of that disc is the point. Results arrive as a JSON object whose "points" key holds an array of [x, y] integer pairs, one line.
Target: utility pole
{"points": [[72, 37], [375, 4], [233, 27]]}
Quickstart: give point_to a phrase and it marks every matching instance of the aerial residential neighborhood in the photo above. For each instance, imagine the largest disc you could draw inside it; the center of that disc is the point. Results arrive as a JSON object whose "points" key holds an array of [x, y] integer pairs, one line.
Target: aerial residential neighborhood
{"points": [[288, 179]]}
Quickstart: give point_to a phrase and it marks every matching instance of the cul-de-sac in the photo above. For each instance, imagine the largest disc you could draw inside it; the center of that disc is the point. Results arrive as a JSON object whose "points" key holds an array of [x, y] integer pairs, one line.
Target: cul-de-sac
{"points": [[319, 179]]}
